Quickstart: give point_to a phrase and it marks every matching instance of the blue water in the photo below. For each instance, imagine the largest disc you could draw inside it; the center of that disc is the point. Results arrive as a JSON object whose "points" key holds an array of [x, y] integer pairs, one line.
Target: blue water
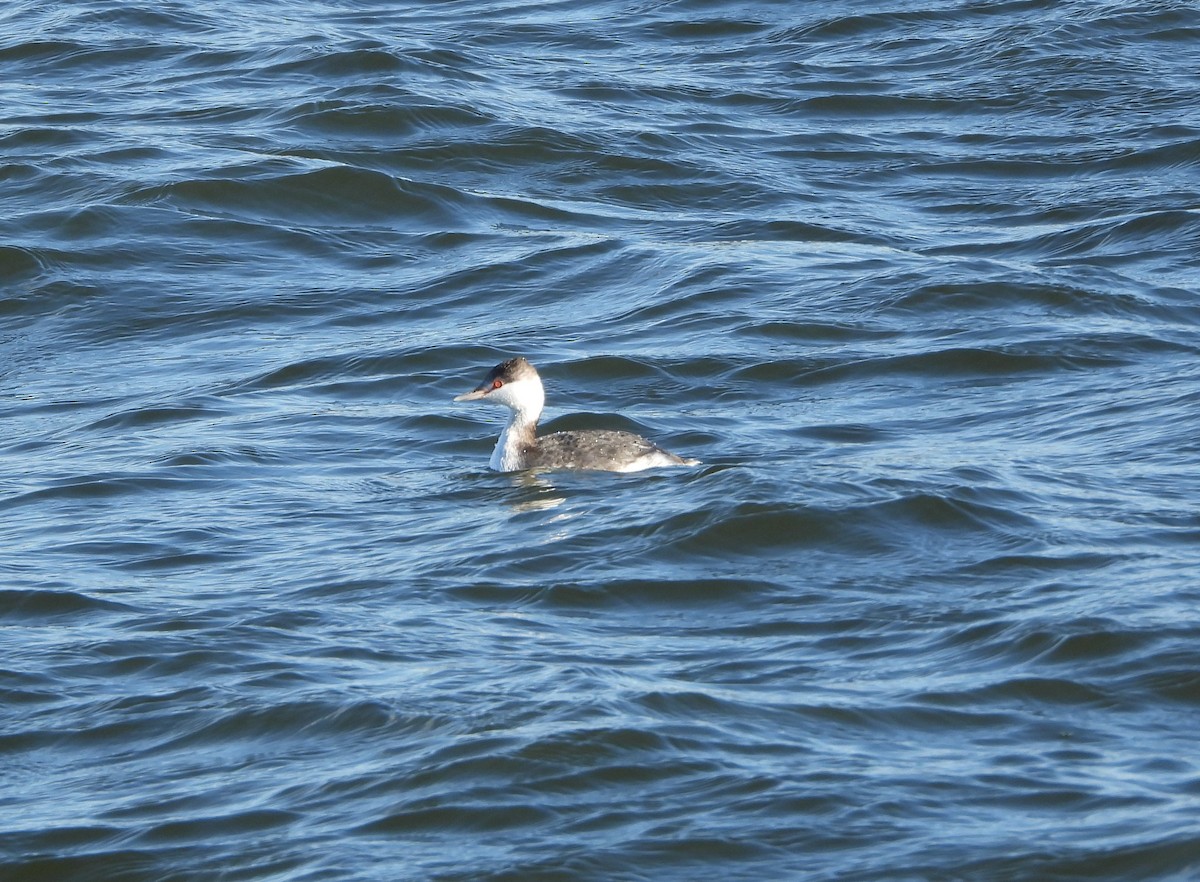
{"points": [[918, 282]]}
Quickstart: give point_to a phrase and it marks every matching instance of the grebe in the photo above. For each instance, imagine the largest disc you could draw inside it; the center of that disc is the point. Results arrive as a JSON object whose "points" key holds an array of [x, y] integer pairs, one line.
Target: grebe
{"points": [[516, 384]]}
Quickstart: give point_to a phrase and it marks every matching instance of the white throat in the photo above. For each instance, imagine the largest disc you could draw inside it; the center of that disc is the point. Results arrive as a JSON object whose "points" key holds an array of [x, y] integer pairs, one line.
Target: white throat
{"points": [[525, 399], [507, 457]]}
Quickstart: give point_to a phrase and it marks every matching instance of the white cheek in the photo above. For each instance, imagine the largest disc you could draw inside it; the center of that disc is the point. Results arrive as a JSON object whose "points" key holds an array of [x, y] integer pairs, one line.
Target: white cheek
{"points": [[521, 395], [504, 395]]}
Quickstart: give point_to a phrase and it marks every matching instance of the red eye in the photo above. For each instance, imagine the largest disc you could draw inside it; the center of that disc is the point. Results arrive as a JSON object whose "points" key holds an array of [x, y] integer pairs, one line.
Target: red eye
{"points": [[496, 384]]}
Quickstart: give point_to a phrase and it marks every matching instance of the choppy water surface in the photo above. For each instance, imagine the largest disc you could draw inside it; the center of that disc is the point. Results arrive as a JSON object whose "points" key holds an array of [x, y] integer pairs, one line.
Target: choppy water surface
{"points": [[918, 282]]}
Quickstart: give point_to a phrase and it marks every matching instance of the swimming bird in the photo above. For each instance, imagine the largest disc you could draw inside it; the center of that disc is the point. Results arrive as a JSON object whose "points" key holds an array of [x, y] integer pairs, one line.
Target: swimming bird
{"points": [[516, 384]]}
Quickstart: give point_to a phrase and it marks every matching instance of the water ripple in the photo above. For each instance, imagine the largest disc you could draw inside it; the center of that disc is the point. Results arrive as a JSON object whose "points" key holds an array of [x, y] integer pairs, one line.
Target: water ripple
{"points": [[917, 284]]}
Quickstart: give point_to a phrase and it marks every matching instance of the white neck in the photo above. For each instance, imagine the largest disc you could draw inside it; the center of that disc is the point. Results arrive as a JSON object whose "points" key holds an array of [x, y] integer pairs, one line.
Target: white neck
{"points": [[525, 399]]}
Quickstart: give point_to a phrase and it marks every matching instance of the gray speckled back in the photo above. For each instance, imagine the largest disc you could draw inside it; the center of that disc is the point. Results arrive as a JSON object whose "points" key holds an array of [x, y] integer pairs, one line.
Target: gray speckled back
{"points": [[605, 449]]}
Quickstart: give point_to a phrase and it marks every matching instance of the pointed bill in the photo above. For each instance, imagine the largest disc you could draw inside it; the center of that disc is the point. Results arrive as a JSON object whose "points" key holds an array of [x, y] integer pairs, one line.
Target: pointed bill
{"points": [[474, 394]]}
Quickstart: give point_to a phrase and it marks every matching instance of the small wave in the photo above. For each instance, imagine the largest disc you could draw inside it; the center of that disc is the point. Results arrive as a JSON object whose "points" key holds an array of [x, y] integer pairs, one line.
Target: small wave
{"points": [[398, 119], [957, 362], [353, 61], [1164, 682], [598, 594], [17, 264], [299, 719], [35, 603], [152, 415], [918, 521], [200, 827], [1114, 242], [220, 457], [332, 194], [1051, 300], [462, 816], [98, 486]]}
